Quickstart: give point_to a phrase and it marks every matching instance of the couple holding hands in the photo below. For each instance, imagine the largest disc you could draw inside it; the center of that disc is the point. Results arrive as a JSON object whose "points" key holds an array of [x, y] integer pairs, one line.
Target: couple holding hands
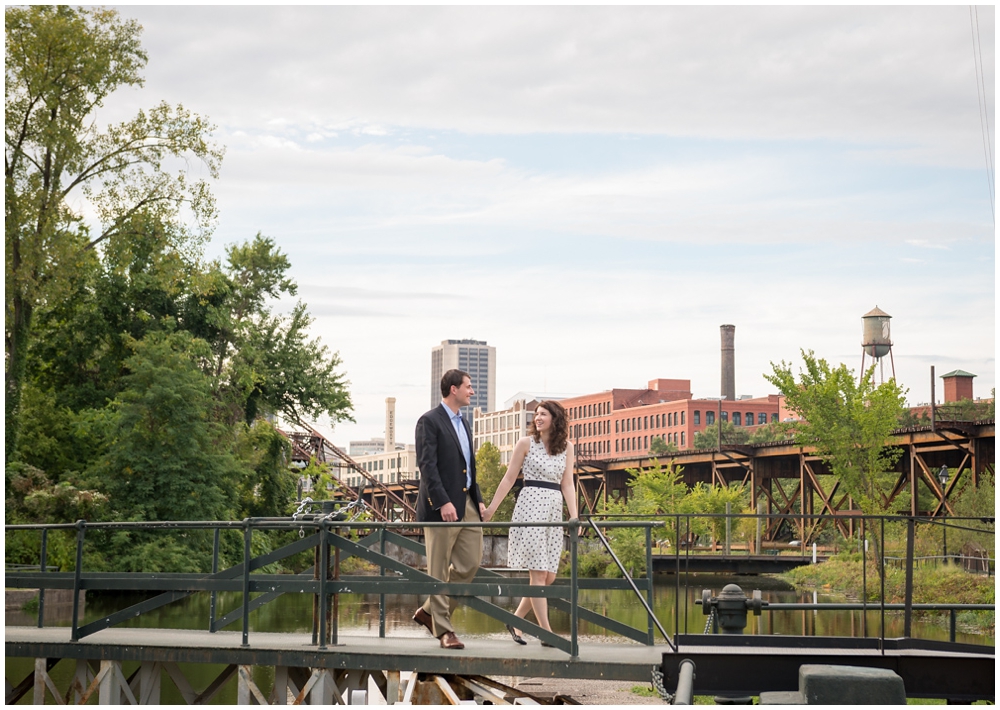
{"points": [[449, 492]]}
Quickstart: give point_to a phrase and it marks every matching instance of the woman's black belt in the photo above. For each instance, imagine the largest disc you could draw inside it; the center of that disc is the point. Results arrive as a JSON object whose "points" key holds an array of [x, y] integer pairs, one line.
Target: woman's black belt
{"points": [[544, 484]]}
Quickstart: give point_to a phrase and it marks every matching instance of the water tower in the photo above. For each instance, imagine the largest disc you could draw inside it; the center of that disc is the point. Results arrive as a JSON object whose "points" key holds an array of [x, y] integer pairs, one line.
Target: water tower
{"points": [[875, 340]]}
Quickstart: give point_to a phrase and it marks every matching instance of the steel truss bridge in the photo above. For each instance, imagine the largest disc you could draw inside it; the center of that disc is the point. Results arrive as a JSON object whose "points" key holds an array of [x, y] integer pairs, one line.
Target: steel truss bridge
{"points": [[787, 478], [129, 665]]}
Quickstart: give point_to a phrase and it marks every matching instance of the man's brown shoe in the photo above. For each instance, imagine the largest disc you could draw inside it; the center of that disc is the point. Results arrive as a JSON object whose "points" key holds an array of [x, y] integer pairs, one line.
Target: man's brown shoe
{"points": [[424, 619], [450, 640]]}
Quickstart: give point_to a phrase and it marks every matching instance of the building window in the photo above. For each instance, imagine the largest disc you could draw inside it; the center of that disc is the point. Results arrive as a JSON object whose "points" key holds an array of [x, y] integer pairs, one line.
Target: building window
{"points": [[774, 416], [682, 436], [737, 419], [709, 418], [697, 418], [645, 442], [762, 418], [616, 426], [725, 416], [682, 418]]}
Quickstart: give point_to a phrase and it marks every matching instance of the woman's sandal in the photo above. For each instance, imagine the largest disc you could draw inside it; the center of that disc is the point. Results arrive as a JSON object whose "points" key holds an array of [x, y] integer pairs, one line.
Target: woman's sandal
{"points": [[518, 639]]}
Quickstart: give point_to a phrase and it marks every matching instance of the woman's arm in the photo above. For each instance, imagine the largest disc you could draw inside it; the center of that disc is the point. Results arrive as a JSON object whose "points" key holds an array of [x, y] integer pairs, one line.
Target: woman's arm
{"points": [[520, 451], [568, 485]]}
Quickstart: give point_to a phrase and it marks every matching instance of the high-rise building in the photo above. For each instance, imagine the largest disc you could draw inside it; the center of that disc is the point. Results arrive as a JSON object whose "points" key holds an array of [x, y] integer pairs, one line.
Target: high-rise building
{"points": [[473, 356]]}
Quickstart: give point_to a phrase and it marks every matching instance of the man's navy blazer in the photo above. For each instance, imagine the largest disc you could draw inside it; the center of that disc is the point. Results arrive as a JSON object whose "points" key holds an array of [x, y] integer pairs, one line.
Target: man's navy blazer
{"points": [[442, 466]]}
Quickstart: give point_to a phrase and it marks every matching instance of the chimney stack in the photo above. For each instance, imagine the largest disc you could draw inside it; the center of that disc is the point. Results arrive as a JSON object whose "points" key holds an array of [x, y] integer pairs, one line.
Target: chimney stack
{"points": [[390, 424], [728, 390]]}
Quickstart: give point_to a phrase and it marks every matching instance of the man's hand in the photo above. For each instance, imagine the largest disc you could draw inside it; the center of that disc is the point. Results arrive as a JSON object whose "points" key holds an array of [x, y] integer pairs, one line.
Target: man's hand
{"points": [[448, 513], [485, 513]]}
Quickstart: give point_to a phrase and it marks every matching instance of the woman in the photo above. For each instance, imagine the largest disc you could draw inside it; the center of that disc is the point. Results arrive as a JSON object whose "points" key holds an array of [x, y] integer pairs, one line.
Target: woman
{"points": [[546, 459]]}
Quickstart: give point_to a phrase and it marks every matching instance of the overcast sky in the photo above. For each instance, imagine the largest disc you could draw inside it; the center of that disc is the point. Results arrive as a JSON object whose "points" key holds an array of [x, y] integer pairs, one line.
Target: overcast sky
{"points": [[595, 190]]}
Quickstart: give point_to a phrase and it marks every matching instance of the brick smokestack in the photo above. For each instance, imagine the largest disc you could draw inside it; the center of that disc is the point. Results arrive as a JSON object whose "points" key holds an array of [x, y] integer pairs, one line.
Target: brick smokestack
{"points": [[390, 424], [728, 387]]}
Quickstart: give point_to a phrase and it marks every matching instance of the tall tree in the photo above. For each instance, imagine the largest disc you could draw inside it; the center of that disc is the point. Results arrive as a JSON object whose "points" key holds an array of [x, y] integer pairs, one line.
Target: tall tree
{"points": [[165, 458], [61, 64], [265, 362], [848, 421]]}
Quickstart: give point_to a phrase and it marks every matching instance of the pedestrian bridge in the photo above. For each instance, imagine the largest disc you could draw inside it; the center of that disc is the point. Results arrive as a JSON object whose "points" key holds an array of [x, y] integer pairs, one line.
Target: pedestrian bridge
{"points": [[119, 664]]}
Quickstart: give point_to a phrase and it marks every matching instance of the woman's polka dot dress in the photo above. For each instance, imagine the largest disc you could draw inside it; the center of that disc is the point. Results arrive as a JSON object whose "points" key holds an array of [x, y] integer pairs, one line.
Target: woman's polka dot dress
{"points": [[538, 548]]}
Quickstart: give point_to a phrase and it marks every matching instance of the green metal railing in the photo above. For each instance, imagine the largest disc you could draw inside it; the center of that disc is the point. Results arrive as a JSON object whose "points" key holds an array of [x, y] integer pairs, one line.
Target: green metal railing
{"points": [[326, 535], [329, 535]]}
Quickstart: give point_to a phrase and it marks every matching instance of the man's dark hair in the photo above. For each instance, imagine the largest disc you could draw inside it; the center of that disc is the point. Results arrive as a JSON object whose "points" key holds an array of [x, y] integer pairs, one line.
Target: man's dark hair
{"points": [[452, 378]]}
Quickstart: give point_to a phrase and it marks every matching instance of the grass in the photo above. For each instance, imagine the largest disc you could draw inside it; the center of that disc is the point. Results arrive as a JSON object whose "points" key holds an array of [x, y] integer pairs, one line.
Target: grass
{"points": [[944, 584]]}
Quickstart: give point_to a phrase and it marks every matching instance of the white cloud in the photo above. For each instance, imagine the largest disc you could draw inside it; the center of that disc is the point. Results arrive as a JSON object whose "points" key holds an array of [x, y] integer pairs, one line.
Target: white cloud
{"points": [[814, 161], [897, 75]]}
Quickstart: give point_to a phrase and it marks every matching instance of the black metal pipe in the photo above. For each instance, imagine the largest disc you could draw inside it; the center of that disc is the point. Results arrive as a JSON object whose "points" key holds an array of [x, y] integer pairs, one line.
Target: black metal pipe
{"points": [[685, 683]]}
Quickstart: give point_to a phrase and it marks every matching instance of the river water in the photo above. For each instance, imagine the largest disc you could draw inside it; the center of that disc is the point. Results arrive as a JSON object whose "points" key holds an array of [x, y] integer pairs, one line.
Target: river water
{"points": [[359, 615]]}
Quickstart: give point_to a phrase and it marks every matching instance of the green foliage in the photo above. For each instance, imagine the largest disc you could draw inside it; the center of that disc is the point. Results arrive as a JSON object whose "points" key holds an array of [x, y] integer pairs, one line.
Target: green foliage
{"points": [[909, 419], [489, 473], [267, 486], [61, 63], [975, 502], [594, 563], [708, 438], [659, 447], [138, 375], [967, 410], [166, 459], [848, 422], [775, 431], [659, 492]]}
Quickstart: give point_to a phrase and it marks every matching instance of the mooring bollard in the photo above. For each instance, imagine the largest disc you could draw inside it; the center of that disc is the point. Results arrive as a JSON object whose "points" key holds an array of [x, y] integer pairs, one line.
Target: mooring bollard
{"points": [[731, 607]]}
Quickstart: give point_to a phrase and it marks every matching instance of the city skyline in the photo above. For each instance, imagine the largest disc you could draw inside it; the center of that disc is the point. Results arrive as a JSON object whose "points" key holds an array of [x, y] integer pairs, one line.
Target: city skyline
{"points": [[594, 190]]}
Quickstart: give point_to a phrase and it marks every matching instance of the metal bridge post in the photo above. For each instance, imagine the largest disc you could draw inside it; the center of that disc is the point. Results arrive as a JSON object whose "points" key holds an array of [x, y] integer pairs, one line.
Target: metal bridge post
{"points": [[574, 644], [41, 592], [381, 597], [81, 528], [908, 598], [247, 532], [215, 570], [324, 568], [649, 583]]}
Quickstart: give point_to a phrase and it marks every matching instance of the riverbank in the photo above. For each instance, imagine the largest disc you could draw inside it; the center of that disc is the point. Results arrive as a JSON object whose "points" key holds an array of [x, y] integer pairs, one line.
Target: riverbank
{"points": [[944, 584]]}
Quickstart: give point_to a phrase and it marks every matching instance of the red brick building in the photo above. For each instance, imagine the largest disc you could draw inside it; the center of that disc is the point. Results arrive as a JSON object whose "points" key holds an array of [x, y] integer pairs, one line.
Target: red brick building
{"points": [[623, 422]]}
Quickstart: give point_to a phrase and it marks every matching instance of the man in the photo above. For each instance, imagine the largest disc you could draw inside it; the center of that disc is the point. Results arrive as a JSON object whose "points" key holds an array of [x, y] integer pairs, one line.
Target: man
{"points": [[448, 492]]}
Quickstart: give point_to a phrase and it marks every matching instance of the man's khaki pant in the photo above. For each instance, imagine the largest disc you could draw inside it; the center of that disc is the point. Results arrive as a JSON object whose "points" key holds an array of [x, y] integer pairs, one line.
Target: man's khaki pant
{"points": [[453, 555]]}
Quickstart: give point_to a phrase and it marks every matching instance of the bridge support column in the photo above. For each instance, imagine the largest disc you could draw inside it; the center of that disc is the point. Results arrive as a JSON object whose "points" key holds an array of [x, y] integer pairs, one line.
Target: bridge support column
{"points": [[110, 687], [149, 683], [321, 692], [38, 695]]}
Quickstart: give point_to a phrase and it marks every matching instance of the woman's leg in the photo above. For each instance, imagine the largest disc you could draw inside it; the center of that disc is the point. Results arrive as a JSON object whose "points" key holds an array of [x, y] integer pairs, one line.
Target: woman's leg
{"points": [[538, 578]]}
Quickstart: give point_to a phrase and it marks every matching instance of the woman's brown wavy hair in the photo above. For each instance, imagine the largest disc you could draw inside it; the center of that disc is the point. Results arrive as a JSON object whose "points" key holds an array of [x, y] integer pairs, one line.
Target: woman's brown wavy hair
{"points": [[560, 427]]}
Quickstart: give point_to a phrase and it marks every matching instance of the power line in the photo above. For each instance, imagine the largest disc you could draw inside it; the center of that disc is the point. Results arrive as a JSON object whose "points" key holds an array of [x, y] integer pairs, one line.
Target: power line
{"points": [[977, 60]]}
